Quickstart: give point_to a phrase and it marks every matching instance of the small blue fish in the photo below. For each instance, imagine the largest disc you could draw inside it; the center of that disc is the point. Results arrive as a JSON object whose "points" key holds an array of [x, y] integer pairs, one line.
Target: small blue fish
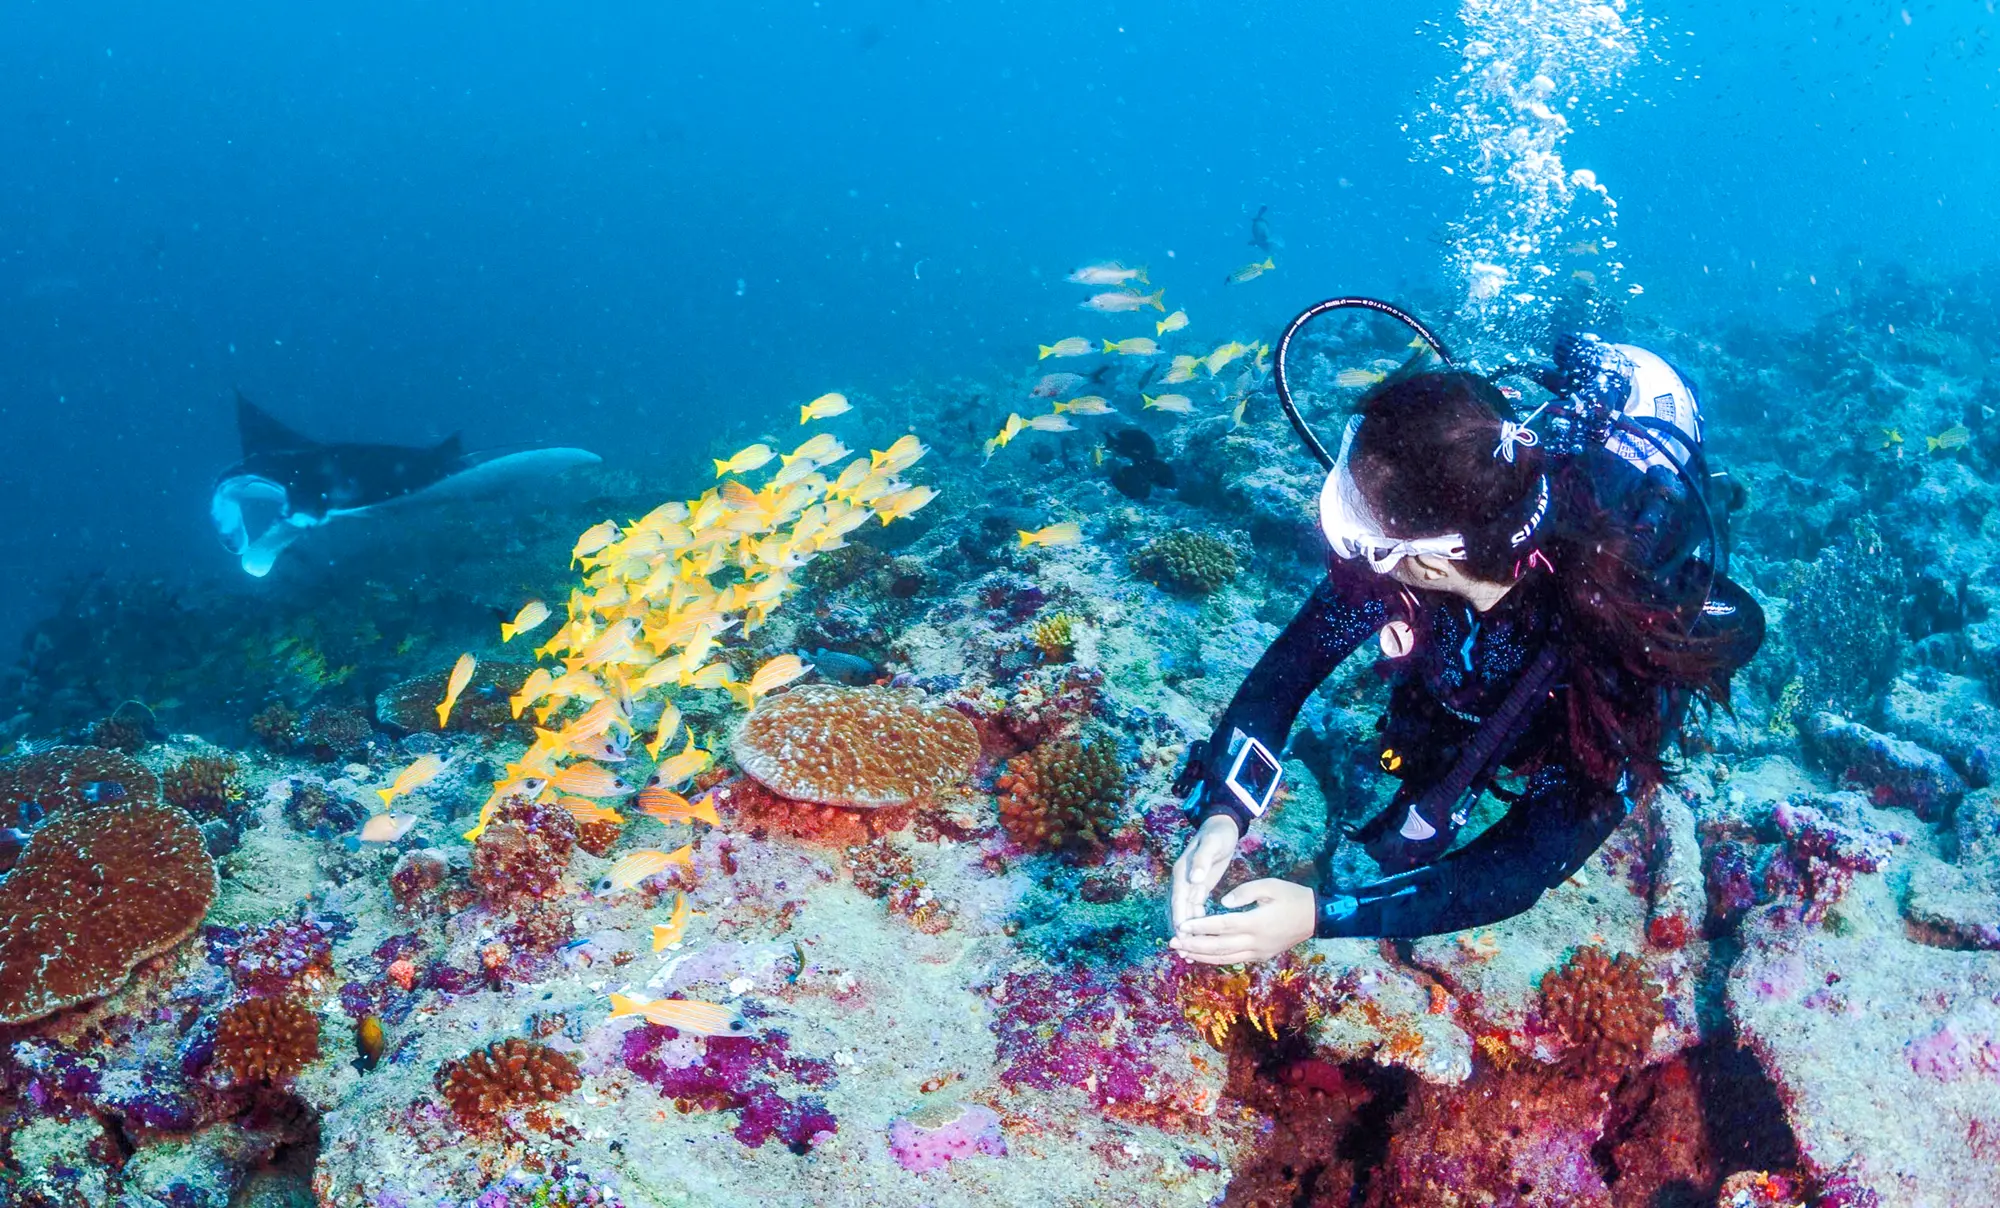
{"points": [[31, 812], [99, 791], [840, 667]]}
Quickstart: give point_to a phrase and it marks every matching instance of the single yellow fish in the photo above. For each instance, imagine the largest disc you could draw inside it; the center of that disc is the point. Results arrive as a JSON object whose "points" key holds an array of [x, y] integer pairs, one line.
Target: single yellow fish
{"points": [[900, 456], [1097, 454], [1250, 272], [753, 458], [826, 406], [1178, 404], [1221, 357], [461, 675], [690, 761], [1069, 532], [1173, 322], [1954, 437], [1087, 404], [532, 614], [669, 933], [1119, 302], [589, 811], [533, 689], [1074, 346], [629, 870], [668, 807], [821, 449], [1053, 422], [682, 1014], [1136, 346], [1236, 416], [1891, 436], [1357, 379], [670, 724], [898, 504], [412, 778], [588, 780], [594, 538], [1112, 273], [774, 674]]}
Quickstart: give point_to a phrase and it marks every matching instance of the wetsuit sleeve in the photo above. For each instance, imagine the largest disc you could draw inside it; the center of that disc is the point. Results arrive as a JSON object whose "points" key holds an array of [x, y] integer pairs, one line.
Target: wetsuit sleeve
{"points": [[1542, 839], [1344, 610]]}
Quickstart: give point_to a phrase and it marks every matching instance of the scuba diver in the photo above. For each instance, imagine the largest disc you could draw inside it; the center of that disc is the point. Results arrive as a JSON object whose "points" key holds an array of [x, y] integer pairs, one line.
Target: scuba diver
{"points": [[1543, 605]]}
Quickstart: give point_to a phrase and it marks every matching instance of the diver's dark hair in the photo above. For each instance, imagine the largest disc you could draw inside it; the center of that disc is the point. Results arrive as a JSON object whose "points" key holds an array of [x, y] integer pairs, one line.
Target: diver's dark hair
{"points": [[1424, 460]]}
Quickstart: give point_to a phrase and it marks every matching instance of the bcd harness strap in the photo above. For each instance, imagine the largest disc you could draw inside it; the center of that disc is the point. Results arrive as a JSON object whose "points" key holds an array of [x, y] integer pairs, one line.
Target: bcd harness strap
{"points": [[1481, 756]]}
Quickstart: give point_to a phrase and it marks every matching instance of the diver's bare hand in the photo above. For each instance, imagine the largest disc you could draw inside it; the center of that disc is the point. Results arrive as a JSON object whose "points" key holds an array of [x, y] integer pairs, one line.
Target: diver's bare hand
{"points": [[1200, 867], [1281, 918]]}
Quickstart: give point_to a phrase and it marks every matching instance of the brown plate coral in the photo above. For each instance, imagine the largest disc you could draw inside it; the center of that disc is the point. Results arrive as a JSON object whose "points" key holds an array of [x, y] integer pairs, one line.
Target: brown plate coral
{"points": [[98, 889], [863, 748]]}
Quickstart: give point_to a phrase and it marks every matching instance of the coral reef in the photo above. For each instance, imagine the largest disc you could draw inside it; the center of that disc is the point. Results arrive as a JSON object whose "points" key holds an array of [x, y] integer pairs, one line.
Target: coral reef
{"points": [[329, 733], [1055, 637], [98, 889], [1605, 1008], [1845, 639], [1817, 862], [740, 1074], [523, 853], [126, 730], [559, 1188], [1189, 564], [1063, 796], [276, 726], [505, 1075], [266, 1039], [862, 748], [1889, 770], [203, 785], [35, 786]]}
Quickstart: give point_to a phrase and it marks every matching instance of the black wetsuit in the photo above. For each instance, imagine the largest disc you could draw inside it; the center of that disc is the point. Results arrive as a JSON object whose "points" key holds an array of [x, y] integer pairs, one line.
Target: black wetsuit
{"points": [[1463, 665]]}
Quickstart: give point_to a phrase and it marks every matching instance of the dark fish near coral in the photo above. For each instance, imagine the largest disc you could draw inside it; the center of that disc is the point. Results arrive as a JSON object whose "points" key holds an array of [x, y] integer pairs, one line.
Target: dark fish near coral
{"points": [[1260, 232], [287, 483], [840, 667], [103, 790], [1144, 470], [368, 1042]]}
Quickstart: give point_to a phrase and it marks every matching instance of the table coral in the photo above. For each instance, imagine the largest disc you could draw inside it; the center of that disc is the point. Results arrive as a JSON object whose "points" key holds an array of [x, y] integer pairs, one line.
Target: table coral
{"points": [[505, 1075], [98, 889], [266, 1039], [66, 776], [1605, 1008], [861, 748], [1063, 796]]}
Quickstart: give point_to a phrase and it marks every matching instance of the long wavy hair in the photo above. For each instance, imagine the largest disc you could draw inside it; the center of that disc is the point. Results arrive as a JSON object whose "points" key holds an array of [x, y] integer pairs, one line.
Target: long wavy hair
{"points": [[1424, 459]]}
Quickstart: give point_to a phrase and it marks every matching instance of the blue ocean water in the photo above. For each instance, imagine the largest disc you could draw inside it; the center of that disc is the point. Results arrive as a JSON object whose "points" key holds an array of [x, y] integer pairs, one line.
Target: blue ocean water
{"points": [[638, 227]]}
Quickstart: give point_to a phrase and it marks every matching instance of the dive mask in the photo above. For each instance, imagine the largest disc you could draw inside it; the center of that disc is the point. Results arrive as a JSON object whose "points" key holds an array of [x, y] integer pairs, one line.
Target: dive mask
{"points": [[1351, 529]]}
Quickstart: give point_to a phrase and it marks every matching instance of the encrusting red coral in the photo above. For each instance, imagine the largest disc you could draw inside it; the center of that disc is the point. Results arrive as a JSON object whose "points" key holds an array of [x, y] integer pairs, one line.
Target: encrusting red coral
{"points": [[505, 1075], [99, 888], [861, 748], [523, 853], [65, 776], [1606, 1009], [266, 1039]]}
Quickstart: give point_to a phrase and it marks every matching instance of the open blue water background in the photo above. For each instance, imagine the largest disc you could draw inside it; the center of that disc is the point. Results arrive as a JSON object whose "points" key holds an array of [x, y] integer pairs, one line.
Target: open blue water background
{"points": [[640, 227]]}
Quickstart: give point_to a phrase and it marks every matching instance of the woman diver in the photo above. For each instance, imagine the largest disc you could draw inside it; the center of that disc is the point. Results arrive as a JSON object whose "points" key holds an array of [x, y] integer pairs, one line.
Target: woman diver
{"points": [[1541, 606]]}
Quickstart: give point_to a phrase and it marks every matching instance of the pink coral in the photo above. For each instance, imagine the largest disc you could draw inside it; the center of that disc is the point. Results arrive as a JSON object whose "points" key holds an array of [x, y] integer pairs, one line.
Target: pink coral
{"points": [[936, 1134], [1948, 1053]]}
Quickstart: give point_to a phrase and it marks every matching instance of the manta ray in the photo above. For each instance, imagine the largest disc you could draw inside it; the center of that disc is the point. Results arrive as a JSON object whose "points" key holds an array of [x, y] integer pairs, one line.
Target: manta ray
{"points": [[288, 484]]}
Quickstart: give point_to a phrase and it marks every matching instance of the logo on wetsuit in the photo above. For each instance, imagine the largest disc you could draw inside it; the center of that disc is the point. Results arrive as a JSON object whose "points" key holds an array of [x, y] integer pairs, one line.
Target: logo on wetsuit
{"points": [[1527, 530]]}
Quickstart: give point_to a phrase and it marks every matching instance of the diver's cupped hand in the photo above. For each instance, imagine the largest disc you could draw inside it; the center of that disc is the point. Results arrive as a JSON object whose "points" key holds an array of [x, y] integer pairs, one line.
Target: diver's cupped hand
{"points": [[1280, 916], [1200, 868]]}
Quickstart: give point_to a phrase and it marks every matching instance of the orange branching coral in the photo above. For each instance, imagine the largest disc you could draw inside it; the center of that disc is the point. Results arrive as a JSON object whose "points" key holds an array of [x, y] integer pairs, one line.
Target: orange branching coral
{"points": [[266, 1039], [1606, 1009], [201, 784], [523, 852], [505, 1075], [856, 747], [98, 889], [1063, 796], [66, 776], [1274, 997]]}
